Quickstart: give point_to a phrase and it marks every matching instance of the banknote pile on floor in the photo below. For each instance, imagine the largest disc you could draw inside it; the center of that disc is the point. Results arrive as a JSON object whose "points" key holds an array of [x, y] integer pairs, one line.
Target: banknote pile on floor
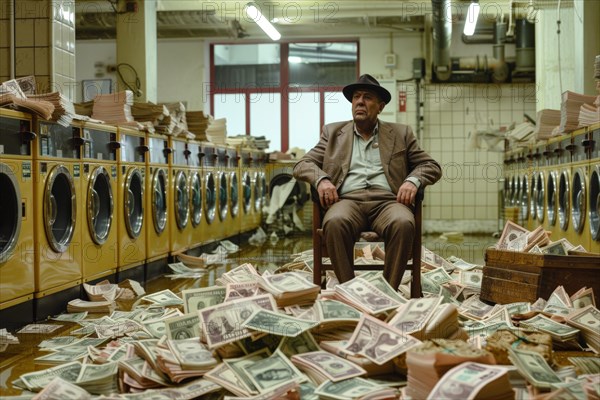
{"points": [[276, 335]]}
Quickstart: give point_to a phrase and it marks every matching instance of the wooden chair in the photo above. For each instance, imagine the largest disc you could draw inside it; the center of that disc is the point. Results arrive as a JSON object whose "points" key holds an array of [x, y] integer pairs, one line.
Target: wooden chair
{"points": [[320, 250]]}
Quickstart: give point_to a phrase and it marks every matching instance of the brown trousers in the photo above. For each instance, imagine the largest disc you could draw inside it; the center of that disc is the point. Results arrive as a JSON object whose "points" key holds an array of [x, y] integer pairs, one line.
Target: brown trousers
{"points": [[369, 210]]}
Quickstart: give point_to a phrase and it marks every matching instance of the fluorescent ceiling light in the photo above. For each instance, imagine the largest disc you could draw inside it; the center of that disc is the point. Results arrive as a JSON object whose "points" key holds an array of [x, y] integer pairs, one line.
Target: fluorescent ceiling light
{"points": [[471, 22], [294, 59], [254, 13]]}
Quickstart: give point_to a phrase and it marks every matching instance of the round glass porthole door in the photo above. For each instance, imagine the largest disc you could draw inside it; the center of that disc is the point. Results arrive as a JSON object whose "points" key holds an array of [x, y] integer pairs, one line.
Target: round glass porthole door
{"points": [[552, 192], [100, 204], [159, 200], [524, 200], [539, 196], [60, 208], [563, 200], [532, 194], [234, 197], [506, 191], [247, 192], [210, 195], [263, 187], [134, 203], [182, 200], [10, 212], [196, 198], [513, 190], [594, 193], [223, 196], [578, 200], [257, 191]]}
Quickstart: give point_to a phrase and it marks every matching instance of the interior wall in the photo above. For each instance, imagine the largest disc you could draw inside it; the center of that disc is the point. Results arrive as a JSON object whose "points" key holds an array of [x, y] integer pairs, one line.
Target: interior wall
{"points": [[466, 199], [180, 68]]}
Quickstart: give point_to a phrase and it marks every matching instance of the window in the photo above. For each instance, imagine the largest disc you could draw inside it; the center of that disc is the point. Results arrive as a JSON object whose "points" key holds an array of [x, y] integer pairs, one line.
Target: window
{"points": [[283, 91]]}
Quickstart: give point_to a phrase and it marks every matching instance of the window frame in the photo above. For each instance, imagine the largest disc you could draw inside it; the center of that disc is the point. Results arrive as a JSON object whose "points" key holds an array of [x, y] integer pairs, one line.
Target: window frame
{"points": [[284, 86]]}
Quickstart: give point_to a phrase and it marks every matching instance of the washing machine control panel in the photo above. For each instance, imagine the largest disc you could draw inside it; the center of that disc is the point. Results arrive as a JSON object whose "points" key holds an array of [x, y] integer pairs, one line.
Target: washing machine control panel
{"points": [[99, 144], [59, 141], [132, 148], [159, 150], [16, 136]]}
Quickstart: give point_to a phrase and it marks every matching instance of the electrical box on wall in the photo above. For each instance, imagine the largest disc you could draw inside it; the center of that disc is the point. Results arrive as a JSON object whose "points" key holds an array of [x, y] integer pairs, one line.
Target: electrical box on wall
{"points": [[389, 60]]}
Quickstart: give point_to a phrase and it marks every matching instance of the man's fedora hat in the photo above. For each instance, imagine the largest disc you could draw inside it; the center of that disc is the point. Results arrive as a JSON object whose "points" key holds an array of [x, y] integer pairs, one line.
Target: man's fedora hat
{"points": [[366, 81]]}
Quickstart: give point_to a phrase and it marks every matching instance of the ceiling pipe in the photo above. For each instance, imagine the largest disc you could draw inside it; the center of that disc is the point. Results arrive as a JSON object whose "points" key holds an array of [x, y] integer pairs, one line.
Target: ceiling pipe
{"points": [[442, 35]]}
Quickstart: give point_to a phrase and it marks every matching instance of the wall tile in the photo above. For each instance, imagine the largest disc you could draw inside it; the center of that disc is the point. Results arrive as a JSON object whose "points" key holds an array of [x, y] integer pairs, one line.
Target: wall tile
{"points": [[56, 34], [4, 33], [33, 8], [42, 34], [24, 33], [24, 61], [4, 62], [42, 61]]}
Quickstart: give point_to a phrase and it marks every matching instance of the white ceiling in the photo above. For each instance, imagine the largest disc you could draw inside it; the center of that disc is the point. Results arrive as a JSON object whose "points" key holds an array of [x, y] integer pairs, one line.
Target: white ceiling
{"points": [[295, 19]]}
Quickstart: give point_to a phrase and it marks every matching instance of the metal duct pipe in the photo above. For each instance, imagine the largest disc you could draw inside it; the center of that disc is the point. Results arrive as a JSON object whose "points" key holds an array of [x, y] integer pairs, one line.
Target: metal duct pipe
{"points": [[501, 72], [442, 35]]}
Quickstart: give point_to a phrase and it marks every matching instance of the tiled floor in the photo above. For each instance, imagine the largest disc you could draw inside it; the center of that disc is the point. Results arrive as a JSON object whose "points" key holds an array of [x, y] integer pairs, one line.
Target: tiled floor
{"points": [[18, 359]]}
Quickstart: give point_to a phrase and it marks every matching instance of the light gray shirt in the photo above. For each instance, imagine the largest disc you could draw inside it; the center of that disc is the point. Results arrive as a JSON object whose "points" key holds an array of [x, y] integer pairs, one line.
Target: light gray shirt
{"points": [[366, 170]]}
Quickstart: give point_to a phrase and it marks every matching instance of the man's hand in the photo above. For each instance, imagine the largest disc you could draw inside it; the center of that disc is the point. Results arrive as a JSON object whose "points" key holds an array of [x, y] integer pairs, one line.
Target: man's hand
{"points": [[327, 193], [407, 194]]}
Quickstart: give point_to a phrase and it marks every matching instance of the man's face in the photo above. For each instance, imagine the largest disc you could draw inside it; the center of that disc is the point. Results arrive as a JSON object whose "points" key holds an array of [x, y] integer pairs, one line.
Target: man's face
{"points": [[366, 105]]}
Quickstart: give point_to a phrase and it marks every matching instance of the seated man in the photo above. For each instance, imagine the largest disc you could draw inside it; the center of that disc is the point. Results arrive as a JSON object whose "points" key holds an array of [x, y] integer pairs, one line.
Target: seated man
{"points": [[367, 173]]}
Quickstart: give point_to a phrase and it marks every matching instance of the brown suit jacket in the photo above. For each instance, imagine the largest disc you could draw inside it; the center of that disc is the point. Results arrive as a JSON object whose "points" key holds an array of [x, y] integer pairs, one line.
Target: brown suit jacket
{"points": [[400, 153]]}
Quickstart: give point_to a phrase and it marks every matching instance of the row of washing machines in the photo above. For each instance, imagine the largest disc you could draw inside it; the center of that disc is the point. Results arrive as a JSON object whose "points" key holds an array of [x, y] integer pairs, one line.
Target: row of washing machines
{"points": [[89, 201], [557, 185]]}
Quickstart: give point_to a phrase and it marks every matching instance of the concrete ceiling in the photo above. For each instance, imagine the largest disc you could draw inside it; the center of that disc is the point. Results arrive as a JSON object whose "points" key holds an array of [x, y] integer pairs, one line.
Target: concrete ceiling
{"points": [[227, 19]]}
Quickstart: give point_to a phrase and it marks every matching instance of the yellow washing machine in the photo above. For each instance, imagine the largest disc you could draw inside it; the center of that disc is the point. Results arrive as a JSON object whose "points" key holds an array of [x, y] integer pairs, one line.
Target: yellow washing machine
{"points": [[196, 193], [593, 206], [541, 168], [180, 230], [578, 229], [247, 188], [209, 182], [17, 250], [553, 174], [99, 196], [130, 205], [58, 212], [223, 223], [563, 187], [233, 228], [260, 186], [522, 195], [158, 206]]}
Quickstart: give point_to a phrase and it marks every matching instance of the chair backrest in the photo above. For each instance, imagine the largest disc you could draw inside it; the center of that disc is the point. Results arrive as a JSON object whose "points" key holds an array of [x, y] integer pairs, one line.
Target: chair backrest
{"points": [[320, 250]]}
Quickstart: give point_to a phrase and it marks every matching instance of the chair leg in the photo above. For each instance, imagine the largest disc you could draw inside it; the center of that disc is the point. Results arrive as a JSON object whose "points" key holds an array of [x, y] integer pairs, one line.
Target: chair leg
{"points": [[317, 260]]}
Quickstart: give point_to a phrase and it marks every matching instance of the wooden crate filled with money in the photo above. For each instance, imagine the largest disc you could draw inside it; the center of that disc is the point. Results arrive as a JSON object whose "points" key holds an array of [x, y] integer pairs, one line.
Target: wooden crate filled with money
{"points": [[513, 276]]}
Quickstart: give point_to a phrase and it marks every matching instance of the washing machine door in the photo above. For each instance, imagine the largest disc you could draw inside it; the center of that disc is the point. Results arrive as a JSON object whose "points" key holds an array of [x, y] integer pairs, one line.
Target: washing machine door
{"points": [[532, 196], [10, 212], [195, 198], [257, 192], [223, 195], [182, 200], [133, 202], [551, 199], [578, 199], [247, 192], [540, 194], [210, 204], [100, 204], [563, 200], [524, 200], [263, 188], [234, 197], [59, 208], [594, 195], [159, 200]]}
